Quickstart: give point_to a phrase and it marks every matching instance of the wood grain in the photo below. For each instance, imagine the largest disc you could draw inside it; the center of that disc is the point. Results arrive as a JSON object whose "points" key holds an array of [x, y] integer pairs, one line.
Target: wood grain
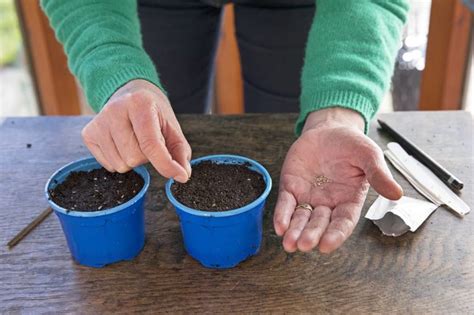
{"points": [[430, 271]]}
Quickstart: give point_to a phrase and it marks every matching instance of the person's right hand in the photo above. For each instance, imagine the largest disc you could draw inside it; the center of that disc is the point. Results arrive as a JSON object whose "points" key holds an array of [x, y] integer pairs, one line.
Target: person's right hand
{"points": [[135, 126]]}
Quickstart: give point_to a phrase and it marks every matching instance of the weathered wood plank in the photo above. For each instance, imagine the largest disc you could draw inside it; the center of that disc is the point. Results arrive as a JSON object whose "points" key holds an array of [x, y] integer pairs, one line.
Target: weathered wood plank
{"points": [[429, 271]]}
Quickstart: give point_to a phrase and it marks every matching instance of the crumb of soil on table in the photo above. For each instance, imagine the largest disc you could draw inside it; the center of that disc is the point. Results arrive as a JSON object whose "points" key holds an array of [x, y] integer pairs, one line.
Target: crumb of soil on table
{"points": [[219, 187], [96, 190]]}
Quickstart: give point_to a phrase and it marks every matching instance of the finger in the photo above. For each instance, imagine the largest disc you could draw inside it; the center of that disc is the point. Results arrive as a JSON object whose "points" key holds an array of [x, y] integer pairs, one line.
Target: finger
{"points": [[315, 228], [127, 144], [298, 221], [177, 144], [145, 124], [99, 156], [284, 209], [181, 152], [94, 148], [111, 154], [379, 176], [343, 220], [382, 181]]}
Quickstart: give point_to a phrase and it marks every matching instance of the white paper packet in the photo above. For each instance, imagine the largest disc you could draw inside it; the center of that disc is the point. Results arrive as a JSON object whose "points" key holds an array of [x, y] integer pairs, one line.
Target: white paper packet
{"points": [[395, 218]]}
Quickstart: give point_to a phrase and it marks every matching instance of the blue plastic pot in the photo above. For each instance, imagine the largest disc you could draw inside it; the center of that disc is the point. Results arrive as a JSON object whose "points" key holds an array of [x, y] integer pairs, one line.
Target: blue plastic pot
{"points": [[98, 238], [223, 239]]}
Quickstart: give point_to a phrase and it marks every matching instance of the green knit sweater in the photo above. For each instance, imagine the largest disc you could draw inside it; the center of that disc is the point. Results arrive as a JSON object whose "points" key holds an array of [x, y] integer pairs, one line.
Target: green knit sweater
{"points": [[349, 54]]}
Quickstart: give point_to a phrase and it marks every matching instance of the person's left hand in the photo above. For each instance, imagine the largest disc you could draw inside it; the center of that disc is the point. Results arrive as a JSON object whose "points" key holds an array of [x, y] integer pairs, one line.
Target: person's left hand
{"points": [[332, 145]]}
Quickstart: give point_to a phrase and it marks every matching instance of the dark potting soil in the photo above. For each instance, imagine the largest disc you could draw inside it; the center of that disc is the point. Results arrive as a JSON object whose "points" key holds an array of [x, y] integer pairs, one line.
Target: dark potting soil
{"points": [[96, 190], [219, 187]]}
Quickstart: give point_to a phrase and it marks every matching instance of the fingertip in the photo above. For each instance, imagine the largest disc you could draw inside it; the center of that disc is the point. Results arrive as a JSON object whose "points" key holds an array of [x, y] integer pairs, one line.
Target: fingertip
{"points": [[304, 247], [307, 242], [283, 212], [383, 183], [109, 169], [330, 242], [395, 193], [280, 226], [278, 231], [182, 159], [399, 193], [288, 249], [188, 169], [289, 244], [181, 179], [181, 173]]}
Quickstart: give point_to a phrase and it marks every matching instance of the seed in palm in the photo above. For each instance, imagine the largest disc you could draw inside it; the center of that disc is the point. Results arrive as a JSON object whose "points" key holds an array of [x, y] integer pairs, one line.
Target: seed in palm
{"points": [[320, 181]]}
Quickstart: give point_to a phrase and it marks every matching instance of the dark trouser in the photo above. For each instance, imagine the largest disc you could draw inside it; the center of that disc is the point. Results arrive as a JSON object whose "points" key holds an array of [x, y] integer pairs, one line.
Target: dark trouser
{"points": [[181, 38]]}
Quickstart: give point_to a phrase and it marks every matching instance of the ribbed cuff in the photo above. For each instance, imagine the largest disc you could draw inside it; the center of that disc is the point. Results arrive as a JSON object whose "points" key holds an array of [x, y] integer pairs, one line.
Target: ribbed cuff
{"points": [[101, 95], [329, 99]]}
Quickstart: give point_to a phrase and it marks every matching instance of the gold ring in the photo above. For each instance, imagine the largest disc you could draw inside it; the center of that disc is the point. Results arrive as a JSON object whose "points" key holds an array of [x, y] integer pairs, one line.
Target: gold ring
{"points": [[306, 206]]}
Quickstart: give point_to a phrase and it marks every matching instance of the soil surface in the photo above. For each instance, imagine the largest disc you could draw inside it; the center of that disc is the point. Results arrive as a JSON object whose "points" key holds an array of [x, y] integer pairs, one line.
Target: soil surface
{"points": [[219, 187], [96, 190]]}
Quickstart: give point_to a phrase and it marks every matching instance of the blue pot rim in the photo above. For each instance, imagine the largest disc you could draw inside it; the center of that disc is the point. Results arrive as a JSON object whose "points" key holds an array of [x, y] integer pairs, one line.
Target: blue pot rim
{"points": [[227, 213], [56, 207]]}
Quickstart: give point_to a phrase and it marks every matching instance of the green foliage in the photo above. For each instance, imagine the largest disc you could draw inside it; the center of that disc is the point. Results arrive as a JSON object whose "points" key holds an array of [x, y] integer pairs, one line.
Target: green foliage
{"points": [[10, 38]]}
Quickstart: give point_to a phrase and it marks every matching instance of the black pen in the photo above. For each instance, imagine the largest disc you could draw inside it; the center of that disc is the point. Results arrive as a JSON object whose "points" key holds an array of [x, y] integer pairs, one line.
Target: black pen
{"points": [[449, 179]]}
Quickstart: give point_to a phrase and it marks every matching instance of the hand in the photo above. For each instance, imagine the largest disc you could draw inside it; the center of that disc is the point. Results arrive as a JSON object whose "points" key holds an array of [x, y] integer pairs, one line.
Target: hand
{"points": [[333, 145], [135, 126]]}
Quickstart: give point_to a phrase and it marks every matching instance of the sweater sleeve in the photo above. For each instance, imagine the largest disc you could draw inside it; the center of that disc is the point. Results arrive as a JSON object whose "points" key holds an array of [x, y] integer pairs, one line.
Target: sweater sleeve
{"points": [[103, 43], [350, 55]]}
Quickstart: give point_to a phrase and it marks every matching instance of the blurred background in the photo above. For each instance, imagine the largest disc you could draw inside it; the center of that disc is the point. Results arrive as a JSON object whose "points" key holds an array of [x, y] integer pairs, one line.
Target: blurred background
{"points": [[434, 69]]}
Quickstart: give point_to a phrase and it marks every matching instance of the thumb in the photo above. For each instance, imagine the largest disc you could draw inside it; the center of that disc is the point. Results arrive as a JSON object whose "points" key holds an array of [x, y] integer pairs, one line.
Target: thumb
{"points": [[181, 153], [378, 174], [178, 146]]}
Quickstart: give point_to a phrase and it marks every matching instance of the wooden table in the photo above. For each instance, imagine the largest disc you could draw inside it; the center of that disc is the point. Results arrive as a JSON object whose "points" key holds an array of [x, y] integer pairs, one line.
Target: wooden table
{"points": [[431, 270]]}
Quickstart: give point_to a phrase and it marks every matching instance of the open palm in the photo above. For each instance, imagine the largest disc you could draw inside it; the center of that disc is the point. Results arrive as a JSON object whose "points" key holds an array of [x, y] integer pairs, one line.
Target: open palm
{"points": [[330, 168]]}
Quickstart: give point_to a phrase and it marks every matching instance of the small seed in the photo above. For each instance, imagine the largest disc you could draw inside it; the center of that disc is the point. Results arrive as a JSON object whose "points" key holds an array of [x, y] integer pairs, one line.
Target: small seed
{"points": [[320, 180]]}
